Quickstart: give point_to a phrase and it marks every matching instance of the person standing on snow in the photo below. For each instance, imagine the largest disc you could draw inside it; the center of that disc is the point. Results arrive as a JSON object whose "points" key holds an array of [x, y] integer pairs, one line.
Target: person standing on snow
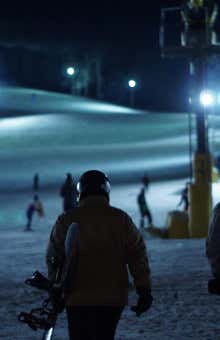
{"points": [[69, 194], [36, 183], [108, 242], [184, 200], [34, 206], [142, 203]]}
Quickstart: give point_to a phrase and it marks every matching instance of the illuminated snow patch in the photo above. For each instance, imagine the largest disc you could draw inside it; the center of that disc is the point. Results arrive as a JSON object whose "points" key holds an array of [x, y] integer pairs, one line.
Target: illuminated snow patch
{"points": [[105, 108]]}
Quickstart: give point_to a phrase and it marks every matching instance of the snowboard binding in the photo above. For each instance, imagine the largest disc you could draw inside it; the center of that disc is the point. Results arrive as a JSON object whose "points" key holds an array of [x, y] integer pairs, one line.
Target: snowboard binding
{"points": [[39, 281], [39, 318], [45, 316]]}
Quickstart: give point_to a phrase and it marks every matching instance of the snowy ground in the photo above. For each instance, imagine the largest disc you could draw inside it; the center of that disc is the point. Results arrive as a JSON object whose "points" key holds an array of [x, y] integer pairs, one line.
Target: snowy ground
{"points": [[182, 308]]}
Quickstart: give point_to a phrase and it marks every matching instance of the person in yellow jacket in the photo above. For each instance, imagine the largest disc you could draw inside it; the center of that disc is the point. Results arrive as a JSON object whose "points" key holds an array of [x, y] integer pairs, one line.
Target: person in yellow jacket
{"points": [[108, 245]]}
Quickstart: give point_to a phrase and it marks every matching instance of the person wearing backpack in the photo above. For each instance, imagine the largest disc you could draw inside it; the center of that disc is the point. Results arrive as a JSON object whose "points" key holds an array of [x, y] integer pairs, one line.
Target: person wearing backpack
{"points": [[108, 245]]}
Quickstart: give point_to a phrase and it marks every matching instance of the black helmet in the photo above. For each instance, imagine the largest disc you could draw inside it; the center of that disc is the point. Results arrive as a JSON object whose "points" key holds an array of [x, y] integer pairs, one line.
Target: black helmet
{"points": [[93, 182]]}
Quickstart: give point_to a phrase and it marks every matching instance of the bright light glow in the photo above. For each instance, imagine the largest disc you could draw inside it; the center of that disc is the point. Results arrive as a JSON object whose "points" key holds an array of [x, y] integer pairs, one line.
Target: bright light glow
{"points": [[70, 71], [132, 83], [207, 98]]}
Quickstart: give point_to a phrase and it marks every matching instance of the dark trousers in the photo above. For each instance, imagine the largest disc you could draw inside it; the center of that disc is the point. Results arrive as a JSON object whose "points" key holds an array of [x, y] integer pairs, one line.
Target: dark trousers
{"points": [[146, 213], [149, 216], [93, 322], [29, 221]]}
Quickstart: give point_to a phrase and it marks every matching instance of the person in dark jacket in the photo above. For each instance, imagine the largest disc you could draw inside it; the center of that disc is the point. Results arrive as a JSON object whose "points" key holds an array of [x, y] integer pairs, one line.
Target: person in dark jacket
{"points": [[108, 244], [69, 193], [142, 204], [36, 182], [184, 199]]}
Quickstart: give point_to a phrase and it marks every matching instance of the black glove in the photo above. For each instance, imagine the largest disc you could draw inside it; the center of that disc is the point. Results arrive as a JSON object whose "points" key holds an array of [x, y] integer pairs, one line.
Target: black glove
{"points": [[214, 286], [145, 300]]}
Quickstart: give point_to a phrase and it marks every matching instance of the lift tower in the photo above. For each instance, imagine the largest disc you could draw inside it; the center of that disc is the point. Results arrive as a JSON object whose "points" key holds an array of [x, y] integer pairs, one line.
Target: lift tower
{"points": [[197, 42]]}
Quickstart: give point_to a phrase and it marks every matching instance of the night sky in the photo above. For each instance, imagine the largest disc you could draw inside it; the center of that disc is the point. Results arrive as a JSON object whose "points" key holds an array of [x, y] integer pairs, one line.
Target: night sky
{"points": [[37, 42]]}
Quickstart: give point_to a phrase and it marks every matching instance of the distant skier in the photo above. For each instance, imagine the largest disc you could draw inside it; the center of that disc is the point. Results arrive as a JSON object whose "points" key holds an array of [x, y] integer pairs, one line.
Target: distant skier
{"points": [[142, 203], [36, 182], [34, 206], [184, 200], [108, 244], [69, 193]]}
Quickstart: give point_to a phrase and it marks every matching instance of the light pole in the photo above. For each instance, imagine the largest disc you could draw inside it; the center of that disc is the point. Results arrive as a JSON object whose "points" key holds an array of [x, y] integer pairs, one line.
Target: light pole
{"points": [[132, 85], [198, 42], [70, 71]]}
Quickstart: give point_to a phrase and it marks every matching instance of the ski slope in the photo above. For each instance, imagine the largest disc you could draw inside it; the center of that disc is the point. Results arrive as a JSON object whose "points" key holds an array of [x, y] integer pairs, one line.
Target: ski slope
{"points": [[52, 134]]}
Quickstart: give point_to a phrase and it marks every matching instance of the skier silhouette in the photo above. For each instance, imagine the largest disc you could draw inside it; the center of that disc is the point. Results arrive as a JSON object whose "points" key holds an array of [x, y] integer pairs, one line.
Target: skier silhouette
{"points": [[184, 200], [36, 182], [142, 203], [34, 206]]}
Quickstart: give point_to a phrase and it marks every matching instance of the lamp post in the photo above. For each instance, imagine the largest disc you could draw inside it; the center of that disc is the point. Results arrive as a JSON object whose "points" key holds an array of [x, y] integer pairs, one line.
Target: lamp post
{"points": [[70, 71], [198, 42], [132, 85]]}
